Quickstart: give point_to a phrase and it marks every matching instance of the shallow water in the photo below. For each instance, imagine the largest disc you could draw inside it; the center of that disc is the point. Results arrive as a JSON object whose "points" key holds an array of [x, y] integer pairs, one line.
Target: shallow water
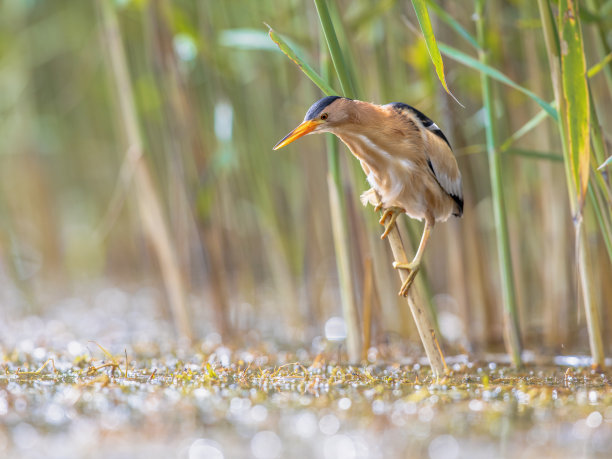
{"points": [[216, 401], [238, 404]]}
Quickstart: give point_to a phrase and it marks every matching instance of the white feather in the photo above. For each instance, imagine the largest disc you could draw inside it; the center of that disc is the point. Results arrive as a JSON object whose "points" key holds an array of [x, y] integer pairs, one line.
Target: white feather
{"points": [[373, 181], [396, 185], [450, 186], [371, 145], [409, 165]]}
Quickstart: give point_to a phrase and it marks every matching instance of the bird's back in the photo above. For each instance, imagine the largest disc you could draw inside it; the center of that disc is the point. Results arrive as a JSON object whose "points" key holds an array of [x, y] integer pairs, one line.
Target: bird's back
{"points": [[435, 149]]}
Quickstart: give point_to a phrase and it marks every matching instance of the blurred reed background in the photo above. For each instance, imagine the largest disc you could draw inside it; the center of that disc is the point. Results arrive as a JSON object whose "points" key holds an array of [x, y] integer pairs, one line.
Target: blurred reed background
{"points": [[136, 149]]}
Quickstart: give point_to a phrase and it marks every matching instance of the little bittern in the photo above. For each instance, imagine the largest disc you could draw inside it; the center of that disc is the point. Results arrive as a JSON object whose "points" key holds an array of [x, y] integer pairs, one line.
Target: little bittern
{"points": [[407, 160]]}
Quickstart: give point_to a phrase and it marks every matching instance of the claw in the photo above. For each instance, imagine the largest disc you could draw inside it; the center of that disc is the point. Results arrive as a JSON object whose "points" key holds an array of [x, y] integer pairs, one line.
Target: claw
{"points": [[391, 213], [413, 269], [407, 284], [415, 264], [389, 227], [387, 213]]}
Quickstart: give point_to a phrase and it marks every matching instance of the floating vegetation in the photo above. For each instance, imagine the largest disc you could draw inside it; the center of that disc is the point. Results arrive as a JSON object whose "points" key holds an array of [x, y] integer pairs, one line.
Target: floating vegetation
{"points": [[245, 403]]}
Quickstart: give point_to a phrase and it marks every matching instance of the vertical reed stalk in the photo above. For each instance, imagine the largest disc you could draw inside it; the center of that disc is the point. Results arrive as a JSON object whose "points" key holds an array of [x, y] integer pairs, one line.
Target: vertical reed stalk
{"points": [[149, 204], [186, 156], [337, 205], [511, 322], [334, 49], [341, 246], [600, 40], [600, 190], [368, 299], [553, 47]]}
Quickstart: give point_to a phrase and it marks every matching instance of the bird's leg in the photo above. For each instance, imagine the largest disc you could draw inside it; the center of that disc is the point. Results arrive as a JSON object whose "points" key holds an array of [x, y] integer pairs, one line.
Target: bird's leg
{"points": [[415, 264], [391, 213]]}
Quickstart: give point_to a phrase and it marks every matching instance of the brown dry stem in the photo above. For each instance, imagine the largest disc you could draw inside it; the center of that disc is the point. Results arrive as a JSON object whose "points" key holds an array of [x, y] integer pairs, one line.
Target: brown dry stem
{"points": [[421, 318]]}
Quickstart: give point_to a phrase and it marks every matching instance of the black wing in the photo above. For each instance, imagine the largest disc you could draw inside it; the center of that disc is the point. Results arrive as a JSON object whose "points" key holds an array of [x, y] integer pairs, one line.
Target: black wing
{"points": [[425, 121], [449, 182]]}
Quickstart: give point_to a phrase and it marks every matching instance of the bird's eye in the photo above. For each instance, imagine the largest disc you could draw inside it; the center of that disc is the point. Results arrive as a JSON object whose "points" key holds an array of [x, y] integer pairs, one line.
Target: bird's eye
{"points": [[324, 116]]}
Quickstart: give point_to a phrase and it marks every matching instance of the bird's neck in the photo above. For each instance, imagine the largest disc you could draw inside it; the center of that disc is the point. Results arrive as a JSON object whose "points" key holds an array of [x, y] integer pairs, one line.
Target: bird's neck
{"points": [[363, 135]]}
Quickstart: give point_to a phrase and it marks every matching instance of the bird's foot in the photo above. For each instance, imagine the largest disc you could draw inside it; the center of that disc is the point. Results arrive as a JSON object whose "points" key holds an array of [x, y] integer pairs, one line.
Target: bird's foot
{"points": [[391, 213], [413, 269]]}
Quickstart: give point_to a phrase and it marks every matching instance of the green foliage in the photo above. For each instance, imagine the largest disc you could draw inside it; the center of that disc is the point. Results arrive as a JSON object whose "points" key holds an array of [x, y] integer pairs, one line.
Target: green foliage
{"points": [[420, 8], [511, 319], [576, 95], [301, 63], [485, 69]]}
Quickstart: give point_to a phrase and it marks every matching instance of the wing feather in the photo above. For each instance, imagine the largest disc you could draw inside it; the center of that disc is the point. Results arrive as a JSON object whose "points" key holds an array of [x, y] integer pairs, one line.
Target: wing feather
{"points": [[423, 119], [440, 157], [444, 166]]}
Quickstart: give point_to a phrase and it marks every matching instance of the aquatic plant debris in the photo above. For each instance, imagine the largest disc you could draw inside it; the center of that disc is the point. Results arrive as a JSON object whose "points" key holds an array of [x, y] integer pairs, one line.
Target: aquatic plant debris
{"points": [[227, 403]]}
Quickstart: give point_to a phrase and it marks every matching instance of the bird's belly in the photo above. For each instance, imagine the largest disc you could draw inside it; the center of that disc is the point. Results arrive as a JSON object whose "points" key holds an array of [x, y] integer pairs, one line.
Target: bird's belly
{"points": [[414, 191]]}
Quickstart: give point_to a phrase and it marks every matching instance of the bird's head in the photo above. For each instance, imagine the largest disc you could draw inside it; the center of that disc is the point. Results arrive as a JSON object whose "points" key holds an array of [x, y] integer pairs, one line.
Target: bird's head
{"points": [[323, 116]]}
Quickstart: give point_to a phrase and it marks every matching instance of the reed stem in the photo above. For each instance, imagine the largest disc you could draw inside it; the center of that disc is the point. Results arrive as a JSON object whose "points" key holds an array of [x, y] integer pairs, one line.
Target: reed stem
{"points": [[149, 203], [425, 327], [337, 205], [511, 322], [553, 49], [334, 49], [368, 299]]}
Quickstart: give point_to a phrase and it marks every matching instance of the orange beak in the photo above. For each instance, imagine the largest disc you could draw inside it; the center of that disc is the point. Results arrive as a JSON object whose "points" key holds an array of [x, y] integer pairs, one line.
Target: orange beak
{"points": [[305, 128]]}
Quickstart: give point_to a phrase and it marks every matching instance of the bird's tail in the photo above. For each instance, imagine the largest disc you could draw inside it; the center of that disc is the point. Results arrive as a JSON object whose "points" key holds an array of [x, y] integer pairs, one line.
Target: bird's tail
{"points": [[458, 205]]}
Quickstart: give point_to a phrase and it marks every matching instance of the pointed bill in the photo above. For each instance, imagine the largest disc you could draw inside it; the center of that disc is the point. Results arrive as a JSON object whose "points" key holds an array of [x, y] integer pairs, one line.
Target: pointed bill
{"points": [[305, 128]]}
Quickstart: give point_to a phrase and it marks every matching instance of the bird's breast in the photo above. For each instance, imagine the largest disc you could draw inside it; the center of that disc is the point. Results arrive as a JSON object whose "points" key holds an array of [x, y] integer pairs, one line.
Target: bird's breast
{"points": [[388, 173]]}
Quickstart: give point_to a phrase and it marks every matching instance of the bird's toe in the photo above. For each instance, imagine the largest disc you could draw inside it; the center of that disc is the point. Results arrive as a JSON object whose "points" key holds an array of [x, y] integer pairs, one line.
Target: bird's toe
{"points": [[412, 269], [406, 286]]}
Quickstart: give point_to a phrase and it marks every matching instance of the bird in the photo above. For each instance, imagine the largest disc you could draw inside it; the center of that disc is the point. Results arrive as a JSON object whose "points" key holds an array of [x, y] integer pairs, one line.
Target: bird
{"points": [[408, 162]]}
